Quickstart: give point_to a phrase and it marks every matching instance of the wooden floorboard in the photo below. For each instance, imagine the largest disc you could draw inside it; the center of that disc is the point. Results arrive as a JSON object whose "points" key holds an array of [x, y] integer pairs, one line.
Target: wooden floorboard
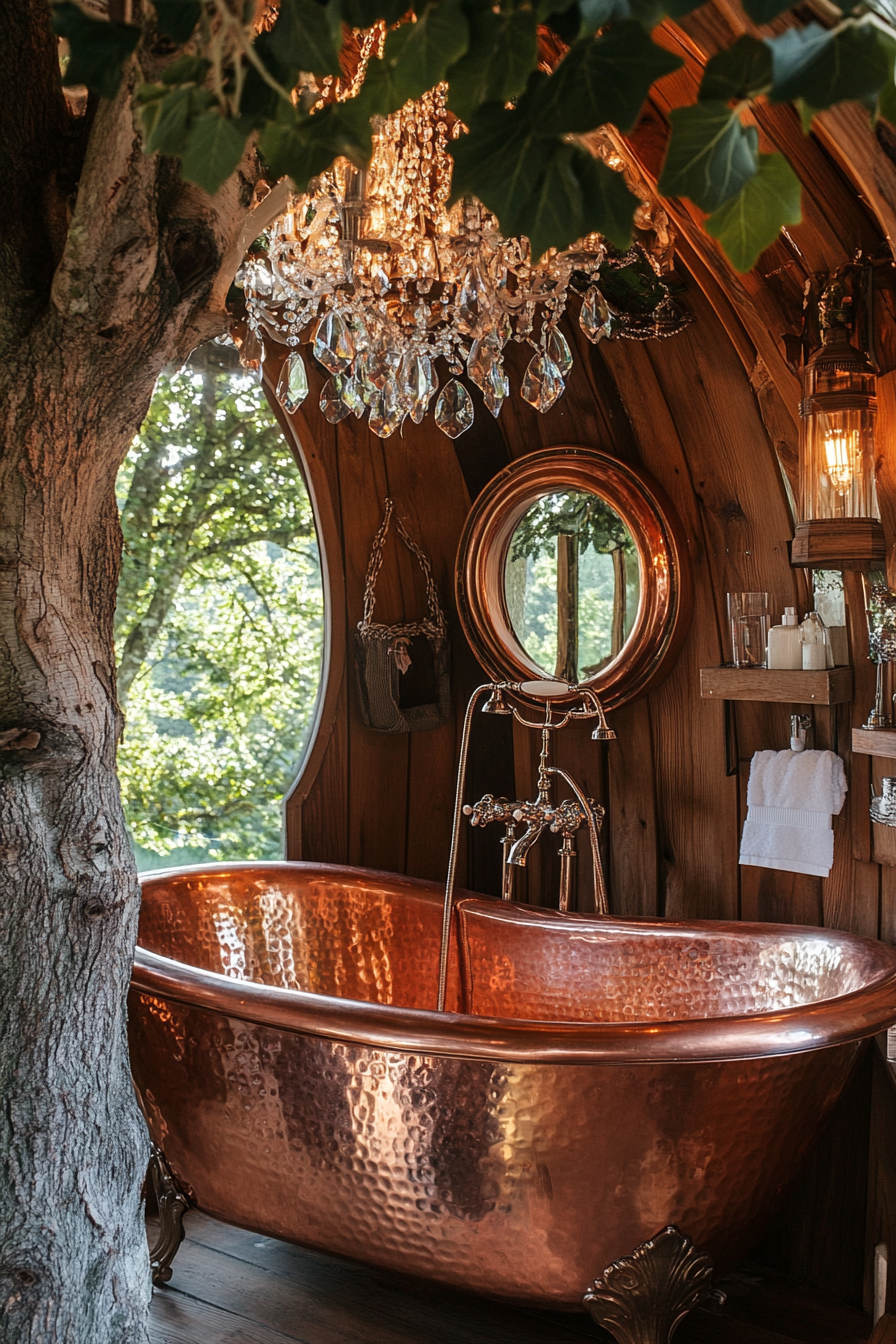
{"points": [[236, 1287]]}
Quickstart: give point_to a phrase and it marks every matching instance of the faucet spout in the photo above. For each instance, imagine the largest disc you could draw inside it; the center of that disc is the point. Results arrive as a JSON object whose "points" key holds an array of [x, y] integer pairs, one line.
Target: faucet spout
{"points": [[519, 850]]}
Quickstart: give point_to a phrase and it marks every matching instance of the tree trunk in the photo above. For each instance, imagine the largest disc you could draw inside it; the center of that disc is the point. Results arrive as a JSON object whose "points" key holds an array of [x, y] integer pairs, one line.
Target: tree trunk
{"points": [[567, 668], [73, 1258], [617, 633], [133, 279]]}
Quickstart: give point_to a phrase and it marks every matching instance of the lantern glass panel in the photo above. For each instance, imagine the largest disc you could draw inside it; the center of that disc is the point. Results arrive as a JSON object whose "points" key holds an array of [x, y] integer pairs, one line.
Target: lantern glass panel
{"points": [[837, 451]]}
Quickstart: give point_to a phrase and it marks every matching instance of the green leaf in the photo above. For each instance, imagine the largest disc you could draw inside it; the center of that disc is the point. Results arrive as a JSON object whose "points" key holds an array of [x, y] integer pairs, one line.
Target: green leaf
{"points": [[501, 161], [187, 70], [635, 289], [607, 203], [886, 102], [502, 53], [351, 119], [602, 79], [302, 148], [548, 191], [418, 54], [167, 120], [380, 95], [177, 18], [710, 156], [303, 38], [148, 93], [287, 153], [648, 12], [596, 13], [98, 49], [214, 147], [763, 11], [807, 114], [853, 61], [751, 221], [545, 8], [258, 98], [742, 71], [553, 209], [565, 23], [364, 13]]}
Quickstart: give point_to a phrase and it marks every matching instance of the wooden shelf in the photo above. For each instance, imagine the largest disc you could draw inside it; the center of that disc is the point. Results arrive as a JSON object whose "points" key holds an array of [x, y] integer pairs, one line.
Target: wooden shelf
{"points": [[874, 742], [831, 687]]}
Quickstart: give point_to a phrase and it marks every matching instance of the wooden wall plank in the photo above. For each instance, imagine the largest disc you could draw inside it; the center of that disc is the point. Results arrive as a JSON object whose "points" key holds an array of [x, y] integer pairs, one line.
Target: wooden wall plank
{"points": [[818, 1233], [852, 892], [418, 474], [888, 908], [695, 804], [886, 476], [316, 808], [743, 508], [881, 1218], [631, 823]]}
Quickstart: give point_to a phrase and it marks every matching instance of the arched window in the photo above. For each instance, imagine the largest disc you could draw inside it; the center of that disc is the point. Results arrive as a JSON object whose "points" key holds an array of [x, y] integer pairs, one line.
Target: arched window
{"points": [[219, 624]]}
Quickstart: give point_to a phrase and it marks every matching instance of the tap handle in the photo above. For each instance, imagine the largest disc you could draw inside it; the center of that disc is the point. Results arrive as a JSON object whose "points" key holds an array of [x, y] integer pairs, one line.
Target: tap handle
{"points": [[489, 808]]}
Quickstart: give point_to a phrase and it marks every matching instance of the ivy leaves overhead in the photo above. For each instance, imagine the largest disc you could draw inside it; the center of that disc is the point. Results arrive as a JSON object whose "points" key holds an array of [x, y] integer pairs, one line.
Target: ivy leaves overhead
{"points": [[226, 83], [98, 50], [748, 223]]}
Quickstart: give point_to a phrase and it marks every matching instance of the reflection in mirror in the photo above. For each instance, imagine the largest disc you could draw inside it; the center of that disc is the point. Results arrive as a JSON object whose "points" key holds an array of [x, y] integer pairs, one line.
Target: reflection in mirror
{"points": [[572, 584]]}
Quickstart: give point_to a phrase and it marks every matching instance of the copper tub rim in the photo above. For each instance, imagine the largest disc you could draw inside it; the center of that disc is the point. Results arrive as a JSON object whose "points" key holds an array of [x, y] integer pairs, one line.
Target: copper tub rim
{"points": [[786, 1031]]}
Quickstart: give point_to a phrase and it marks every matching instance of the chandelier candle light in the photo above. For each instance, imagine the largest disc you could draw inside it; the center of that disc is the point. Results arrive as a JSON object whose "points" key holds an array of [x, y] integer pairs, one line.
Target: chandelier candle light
{"points": [[384, 278]]}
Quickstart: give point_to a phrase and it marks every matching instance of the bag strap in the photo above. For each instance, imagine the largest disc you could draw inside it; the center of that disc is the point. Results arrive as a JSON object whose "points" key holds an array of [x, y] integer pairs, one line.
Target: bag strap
{"points": [[435, 621]]}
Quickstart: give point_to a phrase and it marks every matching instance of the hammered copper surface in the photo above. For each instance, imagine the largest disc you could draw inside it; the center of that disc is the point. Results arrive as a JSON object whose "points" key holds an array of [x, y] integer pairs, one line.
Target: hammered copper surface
{"points": [[519, 1177], [544, 966], [372, 937]]}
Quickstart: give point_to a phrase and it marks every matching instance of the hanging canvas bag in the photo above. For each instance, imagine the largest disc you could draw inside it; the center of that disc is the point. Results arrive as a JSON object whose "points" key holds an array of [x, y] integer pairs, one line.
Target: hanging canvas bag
{"points": [[403, 670]]}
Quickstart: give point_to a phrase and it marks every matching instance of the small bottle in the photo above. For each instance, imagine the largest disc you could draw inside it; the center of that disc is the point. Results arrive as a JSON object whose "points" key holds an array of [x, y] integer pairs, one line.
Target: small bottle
{"points": [[814, 639], [785, 650]]}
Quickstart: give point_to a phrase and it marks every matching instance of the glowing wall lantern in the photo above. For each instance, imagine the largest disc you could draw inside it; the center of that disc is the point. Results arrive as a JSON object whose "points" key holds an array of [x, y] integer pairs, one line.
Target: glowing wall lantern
{"points": [[840, 524]]}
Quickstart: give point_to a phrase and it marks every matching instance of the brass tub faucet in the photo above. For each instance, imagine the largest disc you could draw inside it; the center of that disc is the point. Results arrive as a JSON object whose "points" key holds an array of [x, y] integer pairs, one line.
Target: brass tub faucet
{"points": [[563, 704]]}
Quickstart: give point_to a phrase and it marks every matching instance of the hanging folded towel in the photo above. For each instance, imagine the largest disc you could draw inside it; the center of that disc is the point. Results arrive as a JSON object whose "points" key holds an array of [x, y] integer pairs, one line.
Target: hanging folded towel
{"points": [[791, 797]]}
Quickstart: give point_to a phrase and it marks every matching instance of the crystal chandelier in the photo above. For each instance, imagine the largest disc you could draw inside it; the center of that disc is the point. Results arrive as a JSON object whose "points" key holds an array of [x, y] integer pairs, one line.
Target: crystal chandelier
{"points": [[385, 280]]}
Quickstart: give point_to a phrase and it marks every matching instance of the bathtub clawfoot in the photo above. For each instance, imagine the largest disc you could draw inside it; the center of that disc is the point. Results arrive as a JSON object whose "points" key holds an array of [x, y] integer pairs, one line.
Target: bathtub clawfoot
{"points": [[172, 1207], [642, 1297]]}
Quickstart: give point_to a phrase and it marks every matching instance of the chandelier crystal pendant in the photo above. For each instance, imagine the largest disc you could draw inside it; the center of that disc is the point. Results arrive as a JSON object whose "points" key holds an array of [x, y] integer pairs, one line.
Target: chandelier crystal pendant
{"points": [[390, 285]]}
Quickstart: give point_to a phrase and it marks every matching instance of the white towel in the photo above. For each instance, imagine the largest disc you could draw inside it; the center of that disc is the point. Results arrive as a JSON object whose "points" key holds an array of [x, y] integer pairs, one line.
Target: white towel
{"points": [[791, 797]]}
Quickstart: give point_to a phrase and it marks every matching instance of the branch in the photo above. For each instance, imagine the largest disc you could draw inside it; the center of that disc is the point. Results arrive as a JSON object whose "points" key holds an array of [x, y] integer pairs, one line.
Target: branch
{"points": [[140, 641], [280, 536], [145, 248], [35, 140]]}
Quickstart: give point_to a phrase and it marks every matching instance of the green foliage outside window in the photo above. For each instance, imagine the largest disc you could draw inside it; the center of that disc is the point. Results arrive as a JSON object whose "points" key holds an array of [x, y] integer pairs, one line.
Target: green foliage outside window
{"points": [[219, 622], [574, 513]]}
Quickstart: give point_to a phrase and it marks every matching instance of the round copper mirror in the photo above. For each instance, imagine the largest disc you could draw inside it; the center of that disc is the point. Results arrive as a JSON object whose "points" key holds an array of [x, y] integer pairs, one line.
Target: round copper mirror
{"points": [[573, 565]]}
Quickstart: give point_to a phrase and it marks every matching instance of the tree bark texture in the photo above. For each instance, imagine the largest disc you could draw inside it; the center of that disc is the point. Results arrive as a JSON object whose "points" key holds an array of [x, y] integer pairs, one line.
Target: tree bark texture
{"points": [[132, 282], [567, 668], [617, 634]]}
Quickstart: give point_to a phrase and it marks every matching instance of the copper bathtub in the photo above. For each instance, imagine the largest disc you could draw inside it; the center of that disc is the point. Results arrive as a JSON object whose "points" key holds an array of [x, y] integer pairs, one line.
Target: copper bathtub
{"points": [[595, 1081]]}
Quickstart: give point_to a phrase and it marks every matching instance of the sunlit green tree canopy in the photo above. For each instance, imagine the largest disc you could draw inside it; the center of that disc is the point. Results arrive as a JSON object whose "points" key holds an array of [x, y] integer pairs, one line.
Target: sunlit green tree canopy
{"points": [[218, 624]]}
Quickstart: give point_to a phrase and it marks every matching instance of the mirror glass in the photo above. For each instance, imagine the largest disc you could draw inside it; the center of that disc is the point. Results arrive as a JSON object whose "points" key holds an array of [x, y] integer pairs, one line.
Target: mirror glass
{"points": [[572, 584]]}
